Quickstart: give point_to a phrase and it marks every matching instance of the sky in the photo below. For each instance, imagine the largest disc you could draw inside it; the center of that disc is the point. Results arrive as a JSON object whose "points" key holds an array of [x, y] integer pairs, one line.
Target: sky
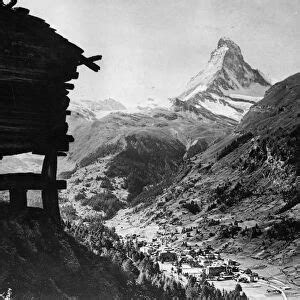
{"points": [[151, 48]]}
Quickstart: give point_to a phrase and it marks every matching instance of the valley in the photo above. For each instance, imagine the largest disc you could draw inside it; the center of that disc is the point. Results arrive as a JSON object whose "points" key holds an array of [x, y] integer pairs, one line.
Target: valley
{"points": [[232, 186], [211, 179], [240, 196]]}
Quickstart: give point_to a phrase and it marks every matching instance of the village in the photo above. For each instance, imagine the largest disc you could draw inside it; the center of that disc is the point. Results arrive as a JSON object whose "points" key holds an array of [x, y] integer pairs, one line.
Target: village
{"points": [[188, 260]]}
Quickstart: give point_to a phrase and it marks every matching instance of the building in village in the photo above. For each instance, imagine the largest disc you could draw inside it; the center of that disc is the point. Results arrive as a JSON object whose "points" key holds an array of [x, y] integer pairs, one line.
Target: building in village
{"points": [[167, 254], [36, 64], [210, 256], [251, 277], [231, 263], [212, 271]]}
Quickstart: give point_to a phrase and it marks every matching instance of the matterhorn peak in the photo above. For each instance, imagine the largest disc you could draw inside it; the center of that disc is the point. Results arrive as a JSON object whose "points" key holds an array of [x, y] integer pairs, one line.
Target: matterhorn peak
{"points": [[226, 52], [230, 44], [228, 85]]}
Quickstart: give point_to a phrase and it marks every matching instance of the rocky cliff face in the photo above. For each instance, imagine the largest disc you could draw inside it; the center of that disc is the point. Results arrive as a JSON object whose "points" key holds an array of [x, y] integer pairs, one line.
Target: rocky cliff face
{"points": [[227, 86]]}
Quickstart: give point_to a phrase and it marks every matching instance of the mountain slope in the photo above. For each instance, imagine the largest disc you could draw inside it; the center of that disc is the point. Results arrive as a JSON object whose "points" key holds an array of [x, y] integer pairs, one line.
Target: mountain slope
{"points": [[116, 157], [40, 261], [228, 86], [119, 156], [241, 194]]}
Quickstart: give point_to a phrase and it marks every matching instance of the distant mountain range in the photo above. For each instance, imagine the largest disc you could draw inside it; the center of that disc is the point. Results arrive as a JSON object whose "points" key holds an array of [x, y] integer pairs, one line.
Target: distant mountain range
{"points": [[108, 104], [96, 109]]}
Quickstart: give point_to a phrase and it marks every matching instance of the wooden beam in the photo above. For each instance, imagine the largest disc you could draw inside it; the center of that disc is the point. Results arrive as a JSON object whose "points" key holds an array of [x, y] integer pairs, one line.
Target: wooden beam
{"points": [[61, 154], [70, 138], [22, 11], [75, 75], [94, 58], [37, 113], [10, 121], [89, 63], [28, 181], [69, 86], [33, 131]]}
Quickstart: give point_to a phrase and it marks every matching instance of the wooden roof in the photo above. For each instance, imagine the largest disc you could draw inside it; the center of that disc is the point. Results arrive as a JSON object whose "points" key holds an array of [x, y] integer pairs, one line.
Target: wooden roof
{"points": [[35, 65]]}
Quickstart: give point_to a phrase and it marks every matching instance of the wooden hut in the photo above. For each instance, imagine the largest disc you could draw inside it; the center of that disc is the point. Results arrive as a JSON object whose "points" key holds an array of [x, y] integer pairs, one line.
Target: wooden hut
{"points": [[35, 65]]}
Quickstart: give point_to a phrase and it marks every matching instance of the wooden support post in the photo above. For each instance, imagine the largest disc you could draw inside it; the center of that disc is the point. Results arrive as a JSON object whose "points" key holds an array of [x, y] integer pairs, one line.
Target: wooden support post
{"points": [[18, 199], [50, 194]]}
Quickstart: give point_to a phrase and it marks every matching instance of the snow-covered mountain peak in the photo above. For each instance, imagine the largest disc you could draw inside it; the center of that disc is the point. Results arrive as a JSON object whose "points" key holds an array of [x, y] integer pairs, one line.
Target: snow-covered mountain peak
{"points": [[228, 85], [226, 55], [201, 81], [231, 45]]}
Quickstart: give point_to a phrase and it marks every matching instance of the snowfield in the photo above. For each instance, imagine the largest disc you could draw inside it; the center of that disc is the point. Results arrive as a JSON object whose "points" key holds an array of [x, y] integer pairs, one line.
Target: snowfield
{"points": [[220, 109]]}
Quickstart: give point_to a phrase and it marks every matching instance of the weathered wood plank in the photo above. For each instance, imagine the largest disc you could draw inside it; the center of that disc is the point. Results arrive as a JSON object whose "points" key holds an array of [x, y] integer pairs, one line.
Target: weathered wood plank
{"points": [[89, 64], [23, 122], [33, 130], [52, 106], [94, 58], [28, 181], [15, 145]]}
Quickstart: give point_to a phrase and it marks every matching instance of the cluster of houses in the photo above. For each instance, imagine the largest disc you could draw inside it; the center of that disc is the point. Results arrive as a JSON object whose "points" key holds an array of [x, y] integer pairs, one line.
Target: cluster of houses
{"points": [[188, 260]]}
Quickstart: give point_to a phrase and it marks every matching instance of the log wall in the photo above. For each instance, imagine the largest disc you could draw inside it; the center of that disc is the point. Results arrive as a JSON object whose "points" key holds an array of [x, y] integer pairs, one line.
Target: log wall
{"points": [[36, 65]]}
